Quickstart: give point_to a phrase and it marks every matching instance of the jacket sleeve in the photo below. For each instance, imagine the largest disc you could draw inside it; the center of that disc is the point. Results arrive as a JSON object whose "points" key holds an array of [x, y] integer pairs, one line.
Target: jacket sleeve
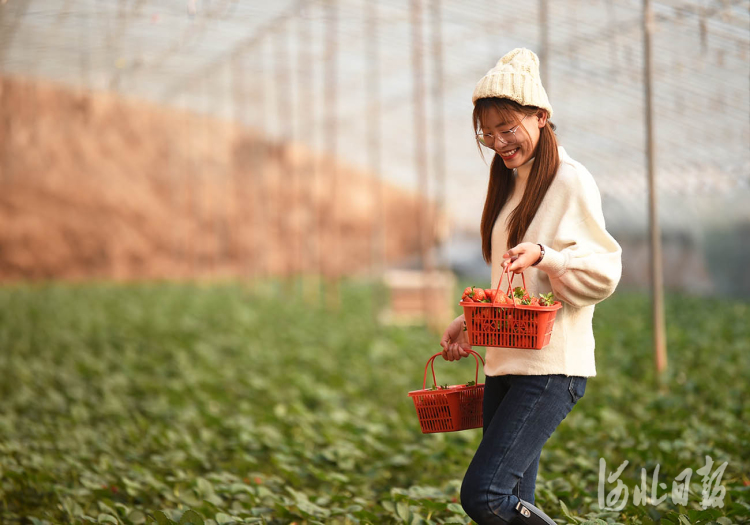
{"points": [[583, 261]]}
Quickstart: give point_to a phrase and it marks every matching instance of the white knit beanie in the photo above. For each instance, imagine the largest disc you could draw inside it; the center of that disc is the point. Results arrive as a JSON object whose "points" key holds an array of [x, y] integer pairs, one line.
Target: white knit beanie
{"points": [[515, 77]]}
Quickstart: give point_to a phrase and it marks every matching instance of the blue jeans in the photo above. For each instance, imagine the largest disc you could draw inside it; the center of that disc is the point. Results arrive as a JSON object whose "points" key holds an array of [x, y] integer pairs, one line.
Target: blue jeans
{"points": [[520, 413]]}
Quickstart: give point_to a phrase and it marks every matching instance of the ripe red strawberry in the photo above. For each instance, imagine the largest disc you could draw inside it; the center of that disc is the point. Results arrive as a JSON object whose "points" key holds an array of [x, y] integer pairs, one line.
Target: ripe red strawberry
{"points": [[479, 295], [490, 294], [469, 294]]}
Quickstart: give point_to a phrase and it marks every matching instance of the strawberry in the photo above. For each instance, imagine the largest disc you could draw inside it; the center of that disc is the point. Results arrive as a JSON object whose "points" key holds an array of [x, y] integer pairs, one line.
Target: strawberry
{"points": [[469, 293], [479, 295], [474, 294], [490, 294], [534, 301]]}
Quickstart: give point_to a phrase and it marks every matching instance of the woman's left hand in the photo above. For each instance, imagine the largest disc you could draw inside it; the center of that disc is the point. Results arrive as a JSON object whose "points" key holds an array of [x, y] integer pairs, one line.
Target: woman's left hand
{"points": [[521, 257]]}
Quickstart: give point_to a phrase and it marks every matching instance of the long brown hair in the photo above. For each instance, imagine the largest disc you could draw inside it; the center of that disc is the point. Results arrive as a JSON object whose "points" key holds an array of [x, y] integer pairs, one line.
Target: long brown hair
{"points": [[501, 183]]}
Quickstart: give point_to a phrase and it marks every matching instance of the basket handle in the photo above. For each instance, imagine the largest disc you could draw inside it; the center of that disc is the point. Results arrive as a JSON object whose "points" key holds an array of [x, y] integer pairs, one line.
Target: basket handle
{"points": [[499, 283], [510, 286], [431, 363], [510, 283]]}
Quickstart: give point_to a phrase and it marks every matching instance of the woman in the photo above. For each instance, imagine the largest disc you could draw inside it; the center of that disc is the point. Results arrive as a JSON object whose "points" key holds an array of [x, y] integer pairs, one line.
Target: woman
{"points": [[542, 216]]}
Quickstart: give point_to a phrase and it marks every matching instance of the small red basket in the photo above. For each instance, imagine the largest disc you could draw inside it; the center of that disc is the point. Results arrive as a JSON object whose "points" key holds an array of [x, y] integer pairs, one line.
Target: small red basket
{"points": [[509, 325], [457, 407]]}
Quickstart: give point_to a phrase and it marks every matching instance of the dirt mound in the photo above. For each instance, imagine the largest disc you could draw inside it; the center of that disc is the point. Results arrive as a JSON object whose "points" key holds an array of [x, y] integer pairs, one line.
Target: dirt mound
{"points": [[96, 186]]}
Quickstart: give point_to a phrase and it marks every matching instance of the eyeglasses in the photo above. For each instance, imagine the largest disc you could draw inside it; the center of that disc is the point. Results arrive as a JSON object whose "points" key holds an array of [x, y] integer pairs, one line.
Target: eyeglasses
{"points": [[506, 137]]}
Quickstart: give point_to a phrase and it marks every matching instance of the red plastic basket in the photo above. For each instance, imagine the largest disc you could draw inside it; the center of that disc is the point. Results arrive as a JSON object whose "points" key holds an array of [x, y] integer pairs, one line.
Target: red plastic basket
{"points": [[457, 407], [509, 325]]}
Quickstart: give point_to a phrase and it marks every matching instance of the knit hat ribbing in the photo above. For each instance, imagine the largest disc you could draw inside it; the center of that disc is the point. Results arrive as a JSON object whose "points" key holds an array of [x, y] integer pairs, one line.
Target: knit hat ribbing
{"points": [[515, 77]]}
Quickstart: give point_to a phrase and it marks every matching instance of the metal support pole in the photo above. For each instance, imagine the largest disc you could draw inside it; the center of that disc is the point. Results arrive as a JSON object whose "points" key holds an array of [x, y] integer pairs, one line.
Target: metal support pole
{"points": [[331, 251], [310, 249], [238, 166], [420, 146], [657, 285], [260, 197], [285, 108], [438, 92], [209, 185], [544, 44], [229, 219], [181, 189], [378, 251], [190, 184]]}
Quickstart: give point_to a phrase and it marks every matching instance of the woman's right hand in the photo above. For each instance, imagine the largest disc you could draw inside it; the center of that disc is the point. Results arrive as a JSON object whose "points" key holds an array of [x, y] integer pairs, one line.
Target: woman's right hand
{"points": [[455, 341]]}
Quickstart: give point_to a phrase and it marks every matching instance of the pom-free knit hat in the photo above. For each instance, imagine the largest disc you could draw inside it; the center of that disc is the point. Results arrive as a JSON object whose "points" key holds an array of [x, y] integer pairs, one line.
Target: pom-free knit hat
{"points": [[515, 77]]}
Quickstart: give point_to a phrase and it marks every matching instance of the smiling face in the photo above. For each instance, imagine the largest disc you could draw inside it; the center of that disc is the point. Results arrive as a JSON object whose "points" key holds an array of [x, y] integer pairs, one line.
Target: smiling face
{"points": [[500, 121]]}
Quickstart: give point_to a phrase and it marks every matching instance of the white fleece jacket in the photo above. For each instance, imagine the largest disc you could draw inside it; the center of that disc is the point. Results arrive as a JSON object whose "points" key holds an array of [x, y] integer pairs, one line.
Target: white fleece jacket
{"points": [[581, 266]]}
